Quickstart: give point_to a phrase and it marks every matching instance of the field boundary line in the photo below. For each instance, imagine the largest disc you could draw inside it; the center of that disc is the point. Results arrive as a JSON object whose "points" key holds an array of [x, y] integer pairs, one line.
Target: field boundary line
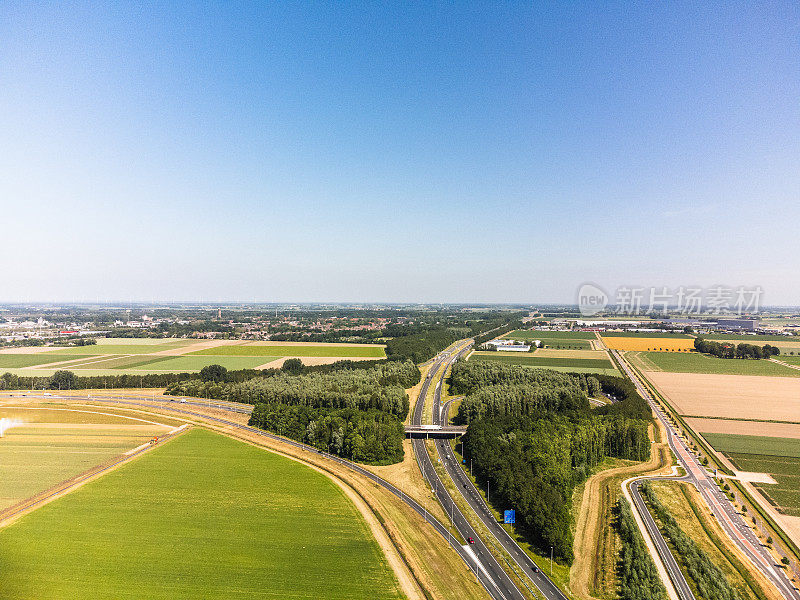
{"points": [[20, 509]]}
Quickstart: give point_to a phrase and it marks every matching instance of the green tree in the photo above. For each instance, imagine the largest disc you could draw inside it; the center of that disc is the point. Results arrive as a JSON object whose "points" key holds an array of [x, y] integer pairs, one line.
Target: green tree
{"points": [[214, 373], [62, 380], [293, 366]]}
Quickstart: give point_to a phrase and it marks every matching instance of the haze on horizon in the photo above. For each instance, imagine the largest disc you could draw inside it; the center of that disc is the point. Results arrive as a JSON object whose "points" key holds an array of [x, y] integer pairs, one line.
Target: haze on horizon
{"points": [[366, 152]]}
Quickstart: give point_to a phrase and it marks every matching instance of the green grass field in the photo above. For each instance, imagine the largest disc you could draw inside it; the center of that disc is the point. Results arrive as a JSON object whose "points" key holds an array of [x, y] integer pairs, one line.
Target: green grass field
{"points": [[364, 351], [183, 364], [18, 361], [780, 457], [203, 516], [692, 362], [37, 456], [752, 339], [120, 348], [575, 365], [528, 334], [792, 360], [754, 444], [784, 469]]}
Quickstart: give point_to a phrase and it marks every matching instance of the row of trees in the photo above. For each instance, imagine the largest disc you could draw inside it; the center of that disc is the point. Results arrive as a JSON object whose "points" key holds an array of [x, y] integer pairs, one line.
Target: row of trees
{"points": [[638, 575], [533, 437], [742, 350], [709, 580], [372, 436], [381, 387], [63, 380]]}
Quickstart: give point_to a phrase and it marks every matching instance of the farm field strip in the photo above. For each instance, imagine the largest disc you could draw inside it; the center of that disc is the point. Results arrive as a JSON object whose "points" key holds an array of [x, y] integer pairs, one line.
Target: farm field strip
{"points": [[229, 519], [53, 445], [670, 344], [678, 362], [754, 444], [181, 364], [533, 360], [121, 348], [530, 334], [785, 495], [363, 351], [744, 427], [17, 361], [578, 365], [730, 396], [646, 334]]}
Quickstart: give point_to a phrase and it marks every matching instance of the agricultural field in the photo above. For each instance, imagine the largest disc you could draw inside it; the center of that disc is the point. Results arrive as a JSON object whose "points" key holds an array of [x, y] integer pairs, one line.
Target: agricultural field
{"points": [[780, 457], [533, 334], [731, 396], [744, 427], [308, 349], [574, 340], [575, 365], [137, 356], [654, 344], [53, 444], [202, 516], [647, 334], [751, 339], [673, 362]]}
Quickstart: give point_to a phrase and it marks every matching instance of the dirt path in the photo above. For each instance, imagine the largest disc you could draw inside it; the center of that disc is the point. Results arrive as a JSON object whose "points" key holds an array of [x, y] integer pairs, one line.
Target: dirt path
{"points": [[594, 551]]}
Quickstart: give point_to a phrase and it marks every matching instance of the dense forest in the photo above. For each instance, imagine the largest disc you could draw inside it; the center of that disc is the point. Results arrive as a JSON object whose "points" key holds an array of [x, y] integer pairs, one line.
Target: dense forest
{"points": [[742, 350], [356, 413], [372, 436], [382, 387], [533, 437]]}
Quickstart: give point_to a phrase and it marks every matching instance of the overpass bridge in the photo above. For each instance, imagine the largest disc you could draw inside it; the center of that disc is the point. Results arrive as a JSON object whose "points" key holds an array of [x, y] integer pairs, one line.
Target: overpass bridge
{"points": [[434, 431]]}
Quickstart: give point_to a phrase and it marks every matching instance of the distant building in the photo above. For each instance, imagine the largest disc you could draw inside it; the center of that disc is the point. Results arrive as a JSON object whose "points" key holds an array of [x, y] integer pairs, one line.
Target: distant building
{"points": [[737, 324]]}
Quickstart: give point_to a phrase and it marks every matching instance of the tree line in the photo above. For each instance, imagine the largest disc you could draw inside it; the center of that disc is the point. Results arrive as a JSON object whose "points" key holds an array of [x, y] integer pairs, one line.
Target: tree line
{"points": [[638, 576], [372, 436], [742, 350], [381, 387], [709, 580], [533, 437]]}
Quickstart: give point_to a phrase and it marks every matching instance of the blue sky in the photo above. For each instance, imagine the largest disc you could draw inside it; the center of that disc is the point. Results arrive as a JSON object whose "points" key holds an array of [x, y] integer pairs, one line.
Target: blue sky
{"points": [[397, 152]]}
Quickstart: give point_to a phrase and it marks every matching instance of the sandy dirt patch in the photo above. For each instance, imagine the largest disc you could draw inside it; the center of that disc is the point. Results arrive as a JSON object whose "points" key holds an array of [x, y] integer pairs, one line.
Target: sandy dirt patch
{"points": [[754, 477], [733, 396], [783, 430], [31, 349]]}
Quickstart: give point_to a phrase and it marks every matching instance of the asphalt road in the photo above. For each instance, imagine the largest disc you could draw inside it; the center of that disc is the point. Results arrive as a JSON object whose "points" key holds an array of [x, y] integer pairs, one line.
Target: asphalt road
{"points": [[468, 491], [673, 570], [725, 513], [500, 584]]}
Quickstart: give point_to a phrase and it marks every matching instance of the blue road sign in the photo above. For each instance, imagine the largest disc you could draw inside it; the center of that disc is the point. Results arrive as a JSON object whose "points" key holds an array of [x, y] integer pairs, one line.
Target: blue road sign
{"points": [[509, 516]]}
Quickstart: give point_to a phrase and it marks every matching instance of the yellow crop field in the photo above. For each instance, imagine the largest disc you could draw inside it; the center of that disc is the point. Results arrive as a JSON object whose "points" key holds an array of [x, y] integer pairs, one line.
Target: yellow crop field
{"points": [[651, 344]]}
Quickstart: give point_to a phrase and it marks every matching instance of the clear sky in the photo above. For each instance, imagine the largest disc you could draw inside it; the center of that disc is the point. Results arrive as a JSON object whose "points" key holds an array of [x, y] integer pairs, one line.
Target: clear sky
{"points": [[397, 152]]}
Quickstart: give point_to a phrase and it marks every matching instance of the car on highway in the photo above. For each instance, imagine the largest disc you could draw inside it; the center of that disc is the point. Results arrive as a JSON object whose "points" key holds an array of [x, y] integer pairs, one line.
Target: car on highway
{"points": [[470, 540]]}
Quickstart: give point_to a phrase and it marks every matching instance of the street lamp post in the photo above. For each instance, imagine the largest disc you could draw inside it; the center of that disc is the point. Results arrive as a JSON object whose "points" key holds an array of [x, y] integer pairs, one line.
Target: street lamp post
{"points": [[551, 561]]}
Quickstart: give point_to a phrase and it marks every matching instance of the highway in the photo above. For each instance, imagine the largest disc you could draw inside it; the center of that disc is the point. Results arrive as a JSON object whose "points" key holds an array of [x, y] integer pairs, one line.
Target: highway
{"points": [[484, 562], [725, 513], [468, 491]]}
